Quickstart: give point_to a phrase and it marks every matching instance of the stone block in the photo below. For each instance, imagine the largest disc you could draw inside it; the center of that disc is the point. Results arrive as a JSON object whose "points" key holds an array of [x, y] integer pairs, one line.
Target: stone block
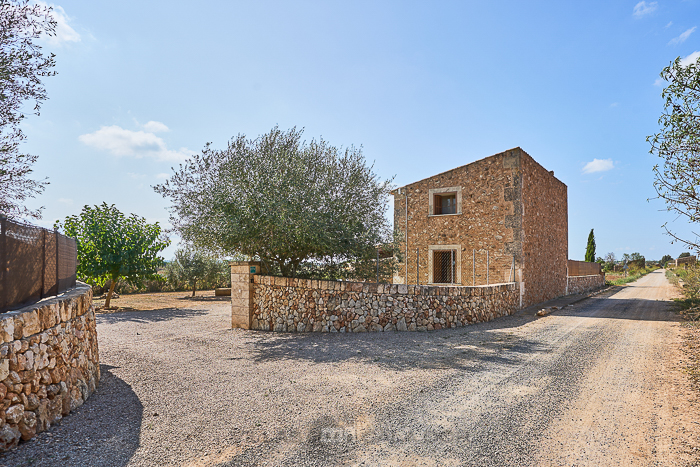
{"points": [[7, 329]]}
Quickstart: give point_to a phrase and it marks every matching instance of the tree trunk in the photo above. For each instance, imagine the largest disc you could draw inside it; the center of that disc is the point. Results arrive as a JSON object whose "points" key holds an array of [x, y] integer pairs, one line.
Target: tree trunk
{"points": [[194, 287], [109, 294]]}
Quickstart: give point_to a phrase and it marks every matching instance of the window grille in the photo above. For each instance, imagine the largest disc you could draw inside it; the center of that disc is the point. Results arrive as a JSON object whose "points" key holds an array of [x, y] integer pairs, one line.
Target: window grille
{"points": [[444, 270]]}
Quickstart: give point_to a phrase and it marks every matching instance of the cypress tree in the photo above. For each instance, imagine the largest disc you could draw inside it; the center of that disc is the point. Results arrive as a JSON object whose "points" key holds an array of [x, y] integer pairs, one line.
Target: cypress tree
{"points": [[590, 248]]}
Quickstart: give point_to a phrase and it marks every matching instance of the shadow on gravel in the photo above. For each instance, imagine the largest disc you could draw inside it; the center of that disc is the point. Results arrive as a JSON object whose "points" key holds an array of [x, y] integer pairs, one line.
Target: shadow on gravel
{"points": [[105, 431], [467, 349], [221, 298], [149, 316]]}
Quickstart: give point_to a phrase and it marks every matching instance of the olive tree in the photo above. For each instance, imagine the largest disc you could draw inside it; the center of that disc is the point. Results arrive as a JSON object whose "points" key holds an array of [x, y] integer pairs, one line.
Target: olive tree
{"points": [[284, 201], [22, 66], [113, 247], [677, 177], [192, 267]]}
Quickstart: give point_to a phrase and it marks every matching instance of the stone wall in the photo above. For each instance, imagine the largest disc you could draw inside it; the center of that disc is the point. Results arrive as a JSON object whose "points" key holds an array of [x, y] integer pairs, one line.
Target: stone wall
{"points": [[583, 284], [300, 305], [545, 233], [486, 201], [49, 363]]}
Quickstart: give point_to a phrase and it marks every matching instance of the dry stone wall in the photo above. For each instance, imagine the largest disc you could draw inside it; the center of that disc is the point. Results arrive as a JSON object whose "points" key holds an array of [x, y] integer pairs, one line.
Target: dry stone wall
{"points": [[300, 305], [49, 363], [583, 284]]}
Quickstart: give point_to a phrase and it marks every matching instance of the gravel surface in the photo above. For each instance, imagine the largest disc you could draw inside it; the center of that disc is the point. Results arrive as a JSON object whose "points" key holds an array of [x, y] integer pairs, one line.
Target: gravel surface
{"points": [[595, 383]]}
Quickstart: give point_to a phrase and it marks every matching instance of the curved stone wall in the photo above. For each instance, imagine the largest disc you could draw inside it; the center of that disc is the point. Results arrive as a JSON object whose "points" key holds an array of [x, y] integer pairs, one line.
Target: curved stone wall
{"points": [[49, 363], [300, 305]]}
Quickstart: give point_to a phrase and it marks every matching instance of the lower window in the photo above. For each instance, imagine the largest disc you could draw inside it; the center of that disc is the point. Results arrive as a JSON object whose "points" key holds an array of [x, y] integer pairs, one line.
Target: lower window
{"points": [[444, 270]]}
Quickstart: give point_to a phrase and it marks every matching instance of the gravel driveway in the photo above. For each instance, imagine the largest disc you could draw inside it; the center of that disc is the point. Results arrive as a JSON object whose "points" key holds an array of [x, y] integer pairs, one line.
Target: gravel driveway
{"points": [[597, 383]]}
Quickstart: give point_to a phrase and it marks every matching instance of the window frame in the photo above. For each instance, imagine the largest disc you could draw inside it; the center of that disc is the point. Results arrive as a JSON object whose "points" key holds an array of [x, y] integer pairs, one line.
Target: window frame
{"points": [[458, 262], [451, 190]]}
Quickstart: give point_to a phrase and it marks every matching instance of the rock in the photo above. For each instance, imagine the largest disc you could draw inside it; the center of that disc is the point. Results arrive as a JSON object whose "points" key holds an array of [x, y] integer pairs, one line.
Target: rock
{"points": [[9, 437], [360, 328], [32, 402], [4, 368], [27, 427], [14, 414], [401, 325]]}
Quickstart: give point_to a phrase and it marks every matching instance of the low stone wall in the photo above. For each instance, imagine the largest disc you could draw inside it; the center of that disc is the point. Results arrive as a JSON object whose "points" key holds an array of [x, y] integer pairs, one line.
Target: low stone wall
{"points": [[49, 363], [300, 305], [583, 284]]}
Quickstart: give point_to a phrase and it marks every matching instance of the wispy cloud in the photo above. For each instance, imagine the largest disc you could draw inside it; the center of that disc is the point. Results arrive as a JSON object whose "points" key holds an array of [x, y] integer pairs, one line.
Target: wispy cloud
{"points": [[643, 9], [683, 37], [614, 104], [163, 176], [670, 23], [64, 32], [598, 165], [692, 58], [138, 144], [67, 201]]}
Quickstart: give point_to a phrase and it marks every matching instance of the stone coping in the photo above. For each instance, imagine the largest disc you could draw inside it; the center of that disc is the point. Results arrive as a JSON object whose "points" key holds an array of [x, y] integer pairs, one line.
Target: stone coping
{"points": [[371, 287], [44, 314]]}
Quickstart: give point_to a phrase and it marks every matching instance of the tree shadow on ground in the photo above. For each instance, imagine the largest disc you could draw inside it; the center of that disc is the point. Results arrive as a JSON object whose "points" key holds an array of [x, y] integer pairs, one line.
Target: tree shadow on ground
{"points": [[149, 316], [467, 348], [105, 431]]}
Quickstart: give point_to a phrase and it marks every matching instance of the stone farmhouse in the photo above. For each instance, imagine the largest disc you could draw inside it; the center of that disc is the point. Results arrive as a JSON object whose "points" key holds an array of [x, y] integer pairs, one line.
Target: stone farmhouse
{"points": [[497, 220]]}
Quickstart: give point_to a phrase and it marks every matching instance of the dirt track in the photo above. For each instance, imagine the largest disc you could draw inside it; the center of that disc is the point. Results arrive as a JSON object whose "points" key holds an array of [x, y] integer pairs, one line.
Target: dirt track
{"points": [[599, 383]]}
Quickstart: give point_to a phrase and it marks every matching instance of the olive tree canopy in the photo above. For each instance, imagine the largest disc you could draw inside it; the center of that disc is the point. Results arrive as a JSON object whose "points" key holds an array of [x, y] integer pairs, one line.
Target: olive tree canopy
{"points": [[22, 65], [281, 200]]}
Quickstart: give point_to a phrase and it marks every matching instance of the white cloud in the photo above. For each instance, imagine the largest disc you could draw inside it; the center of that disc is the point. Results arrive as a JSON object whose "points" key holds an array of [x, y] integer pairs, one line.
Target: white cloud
{"points": [[67, 201], [682, 38], [138, 144], [135, 176], [163, 176], [659, 81], [670, 23], [598, 165], [614, 104], [155, 127], [64, 33], [643, 9], [692, 58]]}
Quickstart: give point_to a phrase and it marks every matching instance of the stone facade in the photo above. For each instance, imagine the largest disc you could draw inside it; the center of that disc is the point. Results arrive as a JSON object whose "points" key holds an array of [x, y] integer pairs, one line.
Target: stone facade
{"points": [[301, 305], [49, 363], [510, 224], [584, 284]]}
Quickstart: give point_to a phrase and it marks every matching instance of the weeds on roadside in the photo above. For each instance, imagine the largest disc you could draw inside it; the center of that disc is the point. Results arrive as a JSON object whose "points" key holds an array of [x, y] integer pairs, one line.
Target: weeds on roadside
{"points": [[634, 274]]}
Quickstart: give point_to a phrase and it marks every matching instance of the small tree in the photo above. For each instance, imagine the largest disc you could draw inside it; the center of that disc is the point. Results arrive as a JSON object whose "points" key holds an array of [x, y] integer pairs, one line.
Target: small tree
{"points": [[665, 259], [191, 267], [22, 65], [590, 247], [677, 179], [283, 201], [684, 254], [112, 247]]}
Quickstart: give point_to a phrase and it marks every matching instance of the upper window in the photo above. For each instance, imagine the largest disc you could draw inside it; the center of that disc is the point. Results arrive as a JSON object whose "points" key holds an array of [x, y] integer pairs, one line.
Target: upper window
{"points": [[445, 204], [445, 201]]}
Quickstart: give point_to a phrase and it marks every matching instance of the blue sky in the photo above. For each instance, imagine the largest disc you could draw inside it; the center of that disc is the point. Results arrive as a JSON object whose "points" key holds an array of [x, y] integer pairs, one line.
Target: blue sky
{"points": [[422, 86]]}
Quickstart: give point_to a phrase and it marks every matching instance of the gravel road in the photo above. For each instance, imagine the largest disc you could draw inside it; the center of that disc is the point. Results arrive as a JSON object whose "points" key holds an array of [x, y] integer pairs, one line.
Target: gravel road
{"points": [[596, 383]]}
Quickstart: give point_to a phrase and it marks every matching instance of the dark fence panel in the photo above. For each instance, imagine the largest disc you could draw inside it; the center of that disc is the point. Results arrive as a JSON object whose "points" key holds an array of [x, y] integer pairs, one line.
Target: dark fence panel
{"points": [[582, 268], [34, 263]]}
